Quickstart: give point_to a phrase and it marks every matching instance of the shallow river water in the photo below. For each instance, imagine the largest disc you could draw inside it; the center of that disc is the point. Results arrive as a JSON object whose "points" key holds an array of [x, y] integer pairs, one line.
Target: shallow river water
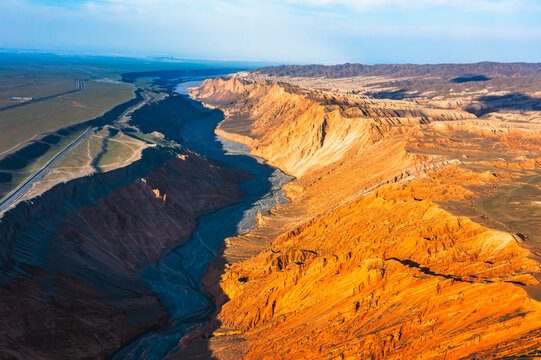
{"points": [[175, 279]]}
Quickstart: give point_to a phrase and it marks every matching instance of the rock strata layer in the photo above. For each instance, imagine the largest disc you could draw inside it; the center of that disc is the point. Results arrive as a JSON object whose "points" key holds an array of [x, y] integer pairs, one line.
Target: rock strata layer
{"points": [[389, 248]]}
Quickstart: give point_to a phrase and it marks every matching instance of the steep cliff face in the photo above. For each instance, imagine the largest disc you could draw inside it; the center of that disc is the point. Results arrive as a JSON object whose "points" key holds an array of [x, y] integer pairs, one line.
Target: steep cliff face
{"points": [[389, 276], [71, 261], [166, 116], [389, 248], [314, 129]]}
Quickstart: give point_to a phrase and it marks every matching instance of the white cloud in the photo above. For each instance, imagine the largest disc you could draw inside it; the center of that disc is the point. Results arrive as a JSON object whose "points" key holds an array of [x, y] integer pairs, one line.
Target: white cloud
{"points": [[465, 5], [279, 30]]}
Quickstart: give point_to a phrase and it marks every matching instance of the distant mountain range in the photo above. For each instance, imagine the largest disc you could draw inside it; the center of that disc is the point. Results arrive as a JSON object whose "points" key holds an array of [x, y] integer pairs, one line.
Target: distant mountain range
{"points": [[443, 70]]}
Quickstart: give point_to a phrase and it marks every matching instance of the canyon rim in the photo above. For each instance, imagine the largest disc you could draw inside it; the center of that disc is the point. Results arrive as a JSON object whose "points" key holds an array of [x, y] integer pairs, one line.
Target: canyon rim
{"points": [[365, 184]]}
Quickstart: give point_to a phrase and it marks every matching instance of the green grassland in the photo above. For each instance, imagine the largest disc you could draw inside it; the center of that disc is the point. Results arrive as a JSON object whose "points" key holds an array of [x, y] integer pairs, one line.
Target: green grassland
{"points": [[34, 133], [39, 86], [117, 149], [21, 77], [104, 150], [21, 124]]}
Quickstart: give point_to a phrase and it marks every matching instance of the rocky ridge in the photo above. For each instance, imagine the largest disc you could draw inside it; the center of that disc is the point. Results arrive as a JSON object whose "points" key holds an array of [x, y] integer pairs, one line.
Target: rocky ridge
{"points": [[383, 252], [72, 256]]}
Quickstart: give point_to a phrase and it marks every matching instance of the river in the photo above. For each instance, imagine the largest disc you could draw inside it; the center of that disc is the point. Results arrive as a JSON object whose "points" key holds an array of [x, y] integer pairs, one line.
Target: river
{"points": [[175, 279]]}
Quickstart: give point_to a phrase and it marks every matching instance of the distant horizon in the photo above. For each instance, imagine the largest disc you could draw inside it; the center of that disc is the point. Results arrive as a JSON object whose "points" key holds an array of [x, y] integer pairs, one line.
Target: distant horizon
{"points": [[281, 31], [163, 58]]}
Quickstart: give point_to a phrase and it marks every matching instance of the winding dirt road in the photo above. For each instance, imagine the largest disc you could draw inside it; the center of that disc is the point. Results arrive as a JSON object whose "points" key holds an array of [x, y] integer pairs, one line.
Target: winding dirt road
{"points": [[17, 193]]}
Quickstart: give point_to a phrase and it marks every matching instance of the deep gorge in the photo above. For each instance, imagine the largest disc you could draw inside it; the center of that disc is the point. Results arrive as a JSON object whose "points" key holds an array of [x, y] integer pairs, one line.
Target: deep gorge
{"points": [[93, 264]]}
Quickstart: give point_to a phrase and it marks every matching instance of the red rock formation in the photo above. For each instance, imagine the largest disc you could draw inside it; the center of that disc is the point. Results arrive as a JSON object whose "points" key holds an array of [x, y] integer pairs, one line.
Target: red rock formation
{"points": [[384, 251], [314, 130], [387, 276]]}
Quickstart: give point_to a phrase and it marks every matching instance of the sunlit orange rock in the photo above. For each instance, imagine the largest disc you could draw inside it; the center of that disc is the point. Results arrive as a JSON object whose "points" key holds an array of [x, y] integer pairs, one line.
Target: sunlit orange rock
{"points": [[387, 250]]}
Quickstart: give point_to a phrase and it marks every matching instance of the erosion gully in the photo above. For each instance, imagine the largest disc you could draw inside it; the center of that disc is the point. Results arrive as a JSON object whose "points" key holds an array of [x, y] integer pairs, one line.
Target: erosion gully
{"points": [[175, 279]]}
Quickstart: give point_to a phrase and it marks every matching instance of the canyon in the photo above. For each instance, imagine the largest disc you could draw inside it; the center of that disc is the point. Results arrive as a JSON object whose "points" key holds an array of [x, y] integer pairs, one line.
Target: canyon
{"points": [[108, 264], [295, 212], [71, 257], [403, 238]]}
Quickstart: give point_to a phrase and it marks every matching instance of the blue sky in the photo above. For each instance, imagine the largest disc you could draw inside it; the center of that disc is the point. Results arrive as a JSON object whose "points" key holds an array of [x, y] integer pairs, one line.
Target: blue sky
{"points": [[288, 31]]}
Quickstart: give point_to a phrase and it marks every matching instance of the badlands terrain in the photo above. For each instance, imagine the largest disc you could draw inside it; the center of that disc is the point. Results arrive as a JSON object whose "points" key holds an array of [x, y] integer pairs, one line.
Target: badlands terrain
{"points": [[413, 228], [290, 212]]}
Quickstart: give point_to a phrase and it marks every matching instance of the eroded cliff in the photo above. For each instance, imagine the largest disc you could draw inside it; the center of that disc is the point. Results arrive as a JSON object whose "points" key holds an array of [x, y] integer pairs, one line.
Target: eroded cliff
{"points": [[390, 248], [71, 286], [313, 129]]}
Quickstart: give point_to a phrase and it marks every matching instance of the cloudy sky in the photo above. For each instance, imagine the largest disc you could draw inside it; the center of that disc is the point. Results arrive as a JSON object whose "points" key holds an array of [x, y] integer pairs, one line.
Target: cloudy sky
{"points": [[288, 31]]}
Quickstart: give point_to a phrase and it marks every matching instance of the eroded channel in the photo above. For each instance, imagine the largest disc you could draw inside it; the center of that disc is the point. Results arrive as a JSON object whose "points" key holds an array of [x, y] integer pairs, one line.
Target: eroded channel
{"points": [[175, 279]]}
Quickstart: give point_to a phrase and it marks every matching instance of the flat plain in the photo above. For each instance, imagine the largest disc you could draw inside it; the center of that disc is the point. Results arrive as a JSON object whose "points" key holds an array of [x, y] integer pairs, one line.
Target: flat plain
{"points": [[22, 124]]}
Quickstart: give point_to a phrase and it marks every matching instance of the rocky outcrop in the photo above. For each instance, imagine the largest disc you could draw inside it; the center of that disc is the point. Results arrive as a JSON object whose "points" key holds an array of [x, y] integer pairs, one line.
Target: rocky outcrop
{"points": [[71, 257], [397, 70], [313, 129], [389, 276], [385, 251]]}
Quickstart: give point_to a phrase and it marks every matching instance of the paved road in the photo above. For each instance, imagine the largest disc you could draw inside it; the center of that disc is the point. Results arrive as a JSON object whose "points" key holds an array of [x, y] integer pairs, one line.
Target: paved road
{"points": [[16, 194], [80, 87], [23, 188]]}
